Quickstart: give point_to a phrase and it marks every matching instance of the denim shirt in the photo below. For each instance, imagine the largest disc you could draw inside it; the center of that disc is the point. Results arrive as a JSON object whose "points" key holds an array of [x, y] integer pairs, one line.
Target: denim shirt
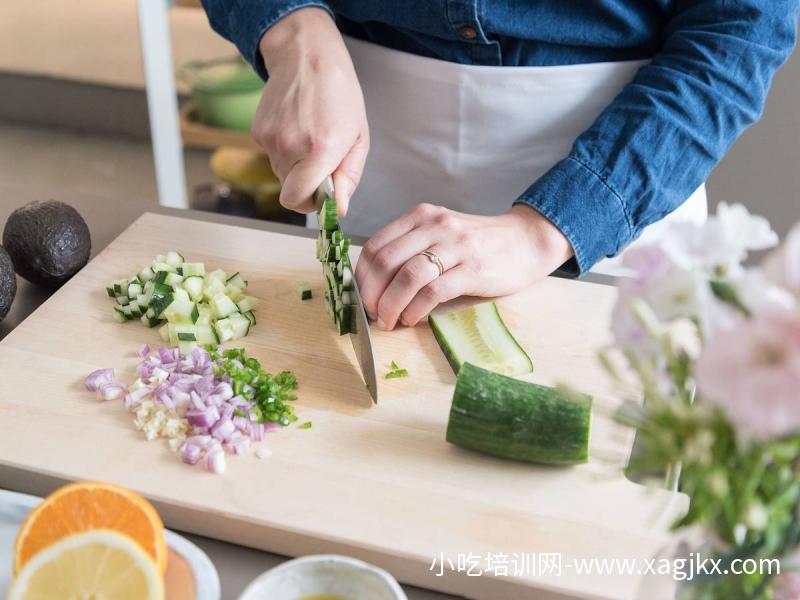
{"points": [[712, 65]]}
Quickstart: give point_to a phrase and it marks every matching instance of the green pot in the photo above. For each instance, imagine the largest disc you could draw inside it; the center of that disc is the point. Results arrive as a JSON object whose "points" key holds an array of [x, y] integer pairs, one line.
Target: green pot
{"points": [[225, 93]]}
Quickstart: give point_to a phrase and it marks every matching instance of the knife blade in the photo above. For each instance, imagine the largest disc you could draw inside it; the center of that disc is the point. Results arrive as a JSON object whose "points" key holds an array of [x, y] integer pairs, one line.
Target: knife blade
{"points": [[361, 339]]}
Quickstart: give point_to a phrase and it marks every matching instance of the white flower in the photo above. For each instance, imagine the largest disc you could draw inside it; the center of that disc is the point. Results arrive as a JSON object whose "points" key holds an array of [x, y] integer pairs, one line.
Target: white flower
{"points": [[760, 295], [721, 243], [783, 265]]}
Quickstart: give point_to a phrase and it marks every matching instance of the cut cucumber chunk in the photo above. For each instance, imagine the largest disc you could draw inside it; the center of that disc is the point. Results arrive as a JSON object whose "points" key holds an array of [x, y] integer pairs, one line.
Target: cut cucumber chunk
{"points": [[508, 418], [478, 335], [303, 290], [193, 284], [236, 281], [194, 269], [247, 304], [173, 259], [223, 306]]}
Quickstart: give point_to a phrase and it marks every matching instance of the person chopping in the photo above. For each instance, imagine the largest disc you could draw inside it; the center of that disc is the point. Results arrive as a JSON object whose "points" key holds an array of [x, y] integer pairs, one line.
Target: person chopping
{"points": [[483, 145]]}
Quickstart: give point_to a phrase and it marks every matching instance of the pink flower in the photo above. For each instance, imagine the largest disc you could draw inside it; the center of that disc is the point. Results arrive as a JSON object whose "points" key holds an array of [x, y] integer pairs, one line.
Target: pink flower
{"points": [[783, 265], [752, 371], [787, 587]]}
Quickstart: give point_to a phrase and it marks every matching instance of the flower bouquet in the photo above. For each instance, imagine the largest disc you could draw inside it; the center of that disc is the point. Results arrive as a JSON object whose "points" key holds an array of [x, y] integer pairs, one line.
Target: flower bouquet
{"points": [[716, 348]]}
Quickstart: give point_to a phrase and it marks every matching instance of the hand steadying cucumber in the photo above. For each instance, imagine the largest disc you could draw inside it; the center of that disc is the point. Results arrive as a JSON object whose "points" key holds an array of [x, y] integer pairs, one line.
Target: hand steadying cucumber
{"points": [[508, 418]]}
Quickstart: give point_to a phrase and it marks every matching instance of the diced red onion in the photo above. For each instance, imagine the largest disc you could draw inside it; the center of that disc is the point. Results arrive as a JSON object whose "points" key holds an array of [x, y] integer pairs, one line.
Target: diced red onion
{"points": [[166, 356], [93, 381], [238, 443], [241, 423], [195, 401], [257, 431], [111, 390], [143, 351], [203, 418], [227, 412], [135, 397], [201, 441], [191, 454], [215, 461], [182, 401], [223, 429], [224, 391], [146, 369]]}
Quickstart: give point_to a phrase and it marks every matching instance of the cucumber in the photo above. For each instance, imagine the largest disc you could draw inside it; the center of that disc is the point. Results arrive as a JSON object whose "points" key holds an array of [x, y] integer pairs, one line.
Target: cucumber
{"points": [[303, 290], [183, 295], [513, 419], [332, 249], [478, 335]]}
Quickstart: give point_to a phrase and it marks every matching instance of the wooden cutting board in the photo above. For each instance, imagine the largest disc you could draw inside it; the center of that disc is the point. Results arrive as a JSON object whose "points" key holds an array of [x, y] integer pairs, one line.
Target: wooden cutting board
{"points": [[374, 482]]}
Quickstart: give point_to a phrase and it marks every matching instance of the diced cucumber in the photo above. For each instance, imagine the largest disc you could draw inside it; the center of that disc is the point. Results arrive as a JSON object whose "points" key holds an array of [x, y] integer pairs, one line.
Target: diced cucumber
{"points": [[205, 316], [150, 321], [173, 259], [329, 216], [193, 284], [247, 304], [213, 286], [173, 279], [182, 294], [206, 335], [134, 290], [478, 335], [223, 306], [236, 280], [240, 326], [303, 290], [163, 266], [186, 347], [194, 269], [224, 330], [509, 418], [218, 274], [145, 275]]}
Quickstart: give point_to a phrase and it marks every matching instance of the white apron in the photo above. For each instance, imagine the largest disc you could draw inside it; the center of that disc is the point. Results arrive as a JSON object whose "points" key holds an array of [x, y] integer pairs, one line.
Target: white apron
{"points": [[474, 138]]}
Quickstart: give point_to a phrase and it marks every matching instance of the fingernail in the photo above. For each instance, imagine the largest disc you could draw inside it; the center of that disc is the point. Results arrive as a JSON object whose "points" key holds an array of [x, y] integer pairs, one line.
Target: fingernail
{"points": [[403, 321], [381, 324], [371, 316]]}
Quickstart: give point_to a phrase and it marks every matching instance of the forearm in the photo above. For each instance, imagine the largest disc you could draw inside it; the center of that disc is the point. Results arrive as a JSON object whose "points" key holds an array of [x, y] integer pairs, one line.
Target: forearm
{"points": [[245, 22], [662, 136]]}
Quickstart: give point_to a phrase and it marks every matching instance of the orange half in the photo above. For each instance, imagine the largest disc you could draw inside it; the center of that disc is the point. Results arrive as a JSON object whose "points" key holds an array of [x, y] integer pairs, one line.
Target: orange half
{"points": [[86, 506]]}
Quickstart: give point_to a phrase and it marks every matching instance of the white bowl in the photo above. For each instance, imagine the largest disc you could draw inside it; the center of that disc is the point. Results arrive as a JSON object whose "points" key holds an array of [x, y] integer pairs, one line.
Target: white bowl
{"points": [[324, 574]]}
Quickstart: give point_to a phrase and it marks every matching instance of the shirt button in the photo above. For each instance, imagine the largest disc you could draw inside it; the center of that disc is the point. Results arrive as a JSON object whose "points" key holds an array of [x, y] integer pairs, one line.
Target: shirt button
{"points": [[468, 33]]}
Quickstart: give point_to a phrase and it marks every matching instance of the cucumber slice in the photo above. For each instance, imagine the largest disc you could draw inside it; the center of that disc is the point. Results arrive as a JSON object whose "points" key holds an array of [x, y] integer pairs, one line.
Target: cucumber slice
{"points": [[478, 335], [218, 274], [303, 290], [508, 418], [186, 347], [224, 330], [145, 275], [164, 333], [205, 334], [250, 316], [120, 316]]}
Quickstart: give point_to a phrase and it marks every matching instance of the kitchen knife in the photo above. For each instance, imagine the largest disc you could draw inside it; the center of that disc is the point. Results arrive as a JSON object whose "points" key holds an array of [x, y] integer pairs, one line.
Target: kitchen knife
{"points": [[361, 340]]}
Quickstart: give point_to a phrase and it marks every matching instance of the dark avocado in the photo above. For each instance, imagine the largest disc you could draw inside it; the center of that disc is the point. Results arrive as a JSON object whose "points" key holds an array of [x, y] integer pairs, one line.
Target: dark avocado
{"points": [[48, 242], [8, 283]]}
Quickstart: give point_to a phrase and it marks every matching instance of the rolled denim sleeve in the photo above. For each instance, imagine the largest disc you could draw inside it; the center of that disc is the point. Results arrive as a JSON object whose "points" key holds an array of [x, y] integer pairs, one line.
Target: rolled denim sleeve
{"points": [[244, 22], [663, 134]]}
